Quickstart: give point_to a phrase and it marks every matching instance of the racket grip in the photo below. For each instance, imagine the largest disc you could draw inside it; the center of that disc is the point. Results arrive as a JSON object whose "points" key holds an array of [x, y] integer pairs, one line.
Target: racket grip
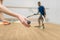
{"points": [[34, 14], [28, 21]]}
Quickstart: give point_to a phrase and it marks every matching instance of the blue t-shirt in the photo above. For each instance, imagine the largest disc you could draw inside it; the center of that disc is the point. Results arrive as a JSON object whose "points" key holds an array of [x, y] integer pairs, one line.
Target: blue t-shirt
{"points": [[41, 9]]}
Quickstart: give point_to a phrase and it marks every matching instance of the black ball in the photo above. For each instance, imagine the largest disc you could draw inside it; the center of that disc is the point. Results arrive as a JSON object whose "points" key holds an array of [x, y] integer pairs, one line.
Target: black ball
{"points": [[28, 22]]}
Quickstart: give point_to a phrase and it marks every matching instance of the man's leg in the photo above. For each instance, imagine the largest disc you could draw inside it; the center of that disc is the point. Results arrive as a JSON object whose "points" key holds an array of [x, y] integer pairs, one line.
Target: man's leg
{"points": [[42, 22], [39, 19]]}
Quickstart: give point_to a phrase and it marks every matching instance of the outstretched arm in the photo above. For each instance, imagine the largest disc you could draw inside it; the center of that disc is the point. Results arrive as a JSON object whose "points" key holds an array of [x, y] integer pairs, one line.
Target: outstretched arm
{"points": [[22, 19], [7, 11]]}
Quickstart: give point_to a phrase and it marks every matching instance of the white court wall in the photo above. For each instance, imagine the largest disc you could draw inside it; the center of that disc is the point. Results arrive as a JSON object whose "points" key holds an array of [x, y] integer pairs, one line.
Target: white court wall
{"points": [[53, 13]]}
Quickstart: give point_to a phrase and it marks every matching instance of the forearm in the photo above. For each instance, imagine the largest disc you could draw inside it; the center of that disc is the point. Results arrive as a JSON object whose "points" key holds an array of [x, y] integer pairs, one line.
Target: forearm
{"points": [[20, 17], [7, 11]]}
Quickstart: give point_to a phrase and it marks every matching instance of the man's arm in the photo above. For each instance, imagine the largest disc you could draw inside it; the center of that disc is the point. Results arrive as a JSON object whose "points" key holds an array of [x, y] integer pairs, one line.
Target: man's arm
{"points": [[22, 19]]}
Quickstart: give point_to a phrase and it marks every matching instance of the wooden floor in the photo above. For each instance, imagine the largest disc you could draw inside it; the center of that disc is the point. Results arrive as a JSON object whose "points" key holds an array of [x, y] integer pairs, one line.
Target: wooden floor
{"points": [[16, 31]]}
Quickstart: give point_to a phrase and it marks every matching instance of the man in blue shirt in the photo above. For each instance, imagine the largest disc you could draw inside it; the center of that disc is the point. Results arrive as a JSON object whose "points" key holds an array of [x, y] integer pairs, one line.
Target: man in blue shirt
{"points": [[42, 12]]}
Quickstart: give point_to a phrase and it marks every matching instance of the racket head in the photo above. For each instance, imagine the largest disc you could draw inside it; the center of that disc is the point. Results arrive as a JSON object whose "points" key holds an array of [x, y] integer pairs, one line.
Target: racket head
{"points": [[46, 19]]}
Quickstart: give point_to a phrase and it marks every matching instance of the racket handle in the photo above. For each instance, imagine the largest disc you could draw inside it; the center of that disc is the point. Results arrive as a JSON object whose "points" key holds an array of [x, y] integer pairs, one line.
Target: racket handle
{"points": [[28, 16], [34, 14]]}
